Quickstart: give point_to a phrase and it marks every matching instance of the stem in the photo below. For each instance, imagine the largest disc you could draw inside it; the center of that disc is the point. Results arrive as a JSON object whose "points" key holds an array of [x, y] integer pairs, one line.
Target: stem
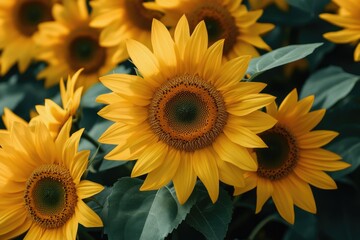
{"points": [[258, 227], [93, 141]]}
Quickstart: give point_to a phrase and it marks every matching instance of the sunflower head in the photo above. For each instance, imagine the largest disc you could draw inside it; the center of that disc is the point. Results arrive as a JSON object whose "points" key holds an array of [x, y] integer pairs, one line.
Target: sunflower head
{"points": [[69, 43], [177, 118], [55, 116], [229, 20], [294, 158], [19, 24], [42, 190]]}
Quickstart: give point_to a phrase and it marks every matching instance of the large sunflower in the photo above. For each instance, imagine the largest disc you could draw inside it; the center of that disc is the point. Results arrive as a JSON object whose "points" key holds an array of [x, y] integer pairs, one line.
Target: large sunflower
{"points": [[19, 20], [69, 43], [229, 20], [121, 20], [55, 116], [41, 188], [294, 158], [348, 18], [188, 116]]}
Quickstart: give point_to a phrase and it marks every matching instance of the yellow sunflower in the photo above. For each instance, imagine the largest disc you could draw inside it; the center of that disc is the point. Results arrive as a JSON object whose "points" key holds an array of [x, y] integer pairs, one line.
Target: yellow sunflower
{"points": [[258, 4], [188, 116], [43, 192], [121, 20], [55, 116], [19, 20], [294, 158], [69, 43], [348, 18], [229, 20]]}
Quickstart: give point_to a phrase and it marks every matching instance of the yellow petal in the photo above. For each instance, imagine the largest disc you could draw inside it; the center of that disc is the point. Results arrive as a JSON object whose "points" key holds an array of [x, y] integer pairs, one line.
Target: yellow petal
{"points": [[244, 137], [249, 104], [323, 165], [35, 232], [343, 36], [86, 216], [301, 193], [250, 183], [182, 34], [357, 53], [256, 122], [87, 189], [211, 62], [319, 154], [315, 139], [150, 159], [315, 177], [283, 202], [204, 164], [71, 228], [185, 178], [264, 191], [230, 174]]}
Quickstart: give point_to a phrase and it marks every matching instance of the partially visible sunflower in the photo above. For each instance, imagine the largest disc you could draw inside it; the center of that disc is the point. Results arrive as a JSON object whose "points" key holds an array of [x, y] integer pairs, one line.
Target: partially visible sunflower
{"points": [[229, 20], [294, 158], [19, 20], [188, 116], [55, 116], [260, 4], [121, 20], [70, 43], [43, 192], [348, 18]]}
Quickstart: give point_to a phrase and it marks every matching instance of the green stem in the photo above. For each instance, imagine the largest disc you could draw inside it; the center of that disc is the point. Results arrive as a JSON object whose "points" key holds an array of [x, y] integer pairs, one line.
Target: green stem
{"points": [[93, 141], [258, 227]]}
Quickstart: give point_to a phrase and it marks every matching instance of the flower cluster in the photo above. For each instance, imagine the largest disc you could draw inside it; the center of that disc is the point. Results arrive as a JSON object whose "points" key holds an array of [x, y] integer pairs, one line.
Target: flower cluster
{"points": [[195, 124]]}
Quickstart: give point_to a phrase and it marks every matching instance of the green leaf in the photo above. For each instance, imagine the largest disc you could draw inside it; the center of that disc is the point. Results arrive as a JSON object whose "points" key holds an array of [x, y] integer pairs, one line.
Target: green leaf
{"points": [[136, 214], [210, 219], [310, 6], [329, 85], [280, 57]]}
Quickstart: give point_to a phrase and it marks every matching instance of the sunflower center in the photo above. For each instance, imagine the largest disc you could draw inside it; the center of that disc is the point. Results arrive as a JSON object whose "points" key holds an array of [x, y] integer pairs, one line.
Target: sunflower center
{"points": [[50, 196], [85, 52], [139, 15], [281, 156], [219, 23], [187, 113], [30, 13]]}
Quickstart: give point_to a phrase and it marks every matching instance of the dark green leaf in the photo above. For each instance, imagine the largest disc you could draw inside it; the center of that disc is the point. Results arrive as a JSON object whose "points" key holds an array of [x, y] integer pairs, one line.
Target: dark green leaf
{"points": [[329, 85], [280, 57], [139, 214], [210, 219], [309, 6]]}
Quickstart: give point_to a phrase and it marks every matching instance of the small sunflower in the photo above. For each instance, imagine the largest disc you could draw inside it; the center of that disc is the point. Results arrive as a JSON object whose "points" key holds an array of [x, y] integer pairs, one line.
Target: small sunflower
{"points": [[259, 4], [348, 18], [121, 20], [19, 20], [229, 20], [294, 158], [70, 43], [55, 116], [43, 192], [188, 116]]}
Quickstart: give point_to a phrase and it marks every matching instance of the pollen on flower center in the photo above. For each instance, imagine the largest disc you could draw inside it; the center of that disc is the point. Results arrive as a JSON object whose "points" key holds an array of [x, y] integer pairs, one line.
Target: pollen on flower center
{"points": [[50, 196], [219, 23], [30, 13], [281, 156], [187, 113], [139, 15], [85, 52]]}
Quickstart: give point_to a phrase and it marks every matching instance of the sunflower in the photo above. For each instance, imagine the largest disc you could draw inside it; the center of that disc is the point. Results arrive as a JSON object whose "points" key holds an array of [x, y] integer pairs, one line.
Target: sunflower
{"points": [[294, 158], [229, 20], [121, 20], [19, 20], [348, 18], [55, 116], [188, 116], [258, 4], [69, 43], [43, 192]]}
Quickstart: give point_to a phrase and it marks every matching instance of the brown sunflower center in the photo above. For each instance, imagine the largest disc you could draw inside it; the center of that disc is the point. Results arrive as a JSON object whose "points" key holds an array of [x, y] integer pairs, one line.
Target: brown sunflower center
{"points": [[281, 156], [85, 52], [187, 113], [30, 13], [219, 22], [139, 15], [50, 196]]}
